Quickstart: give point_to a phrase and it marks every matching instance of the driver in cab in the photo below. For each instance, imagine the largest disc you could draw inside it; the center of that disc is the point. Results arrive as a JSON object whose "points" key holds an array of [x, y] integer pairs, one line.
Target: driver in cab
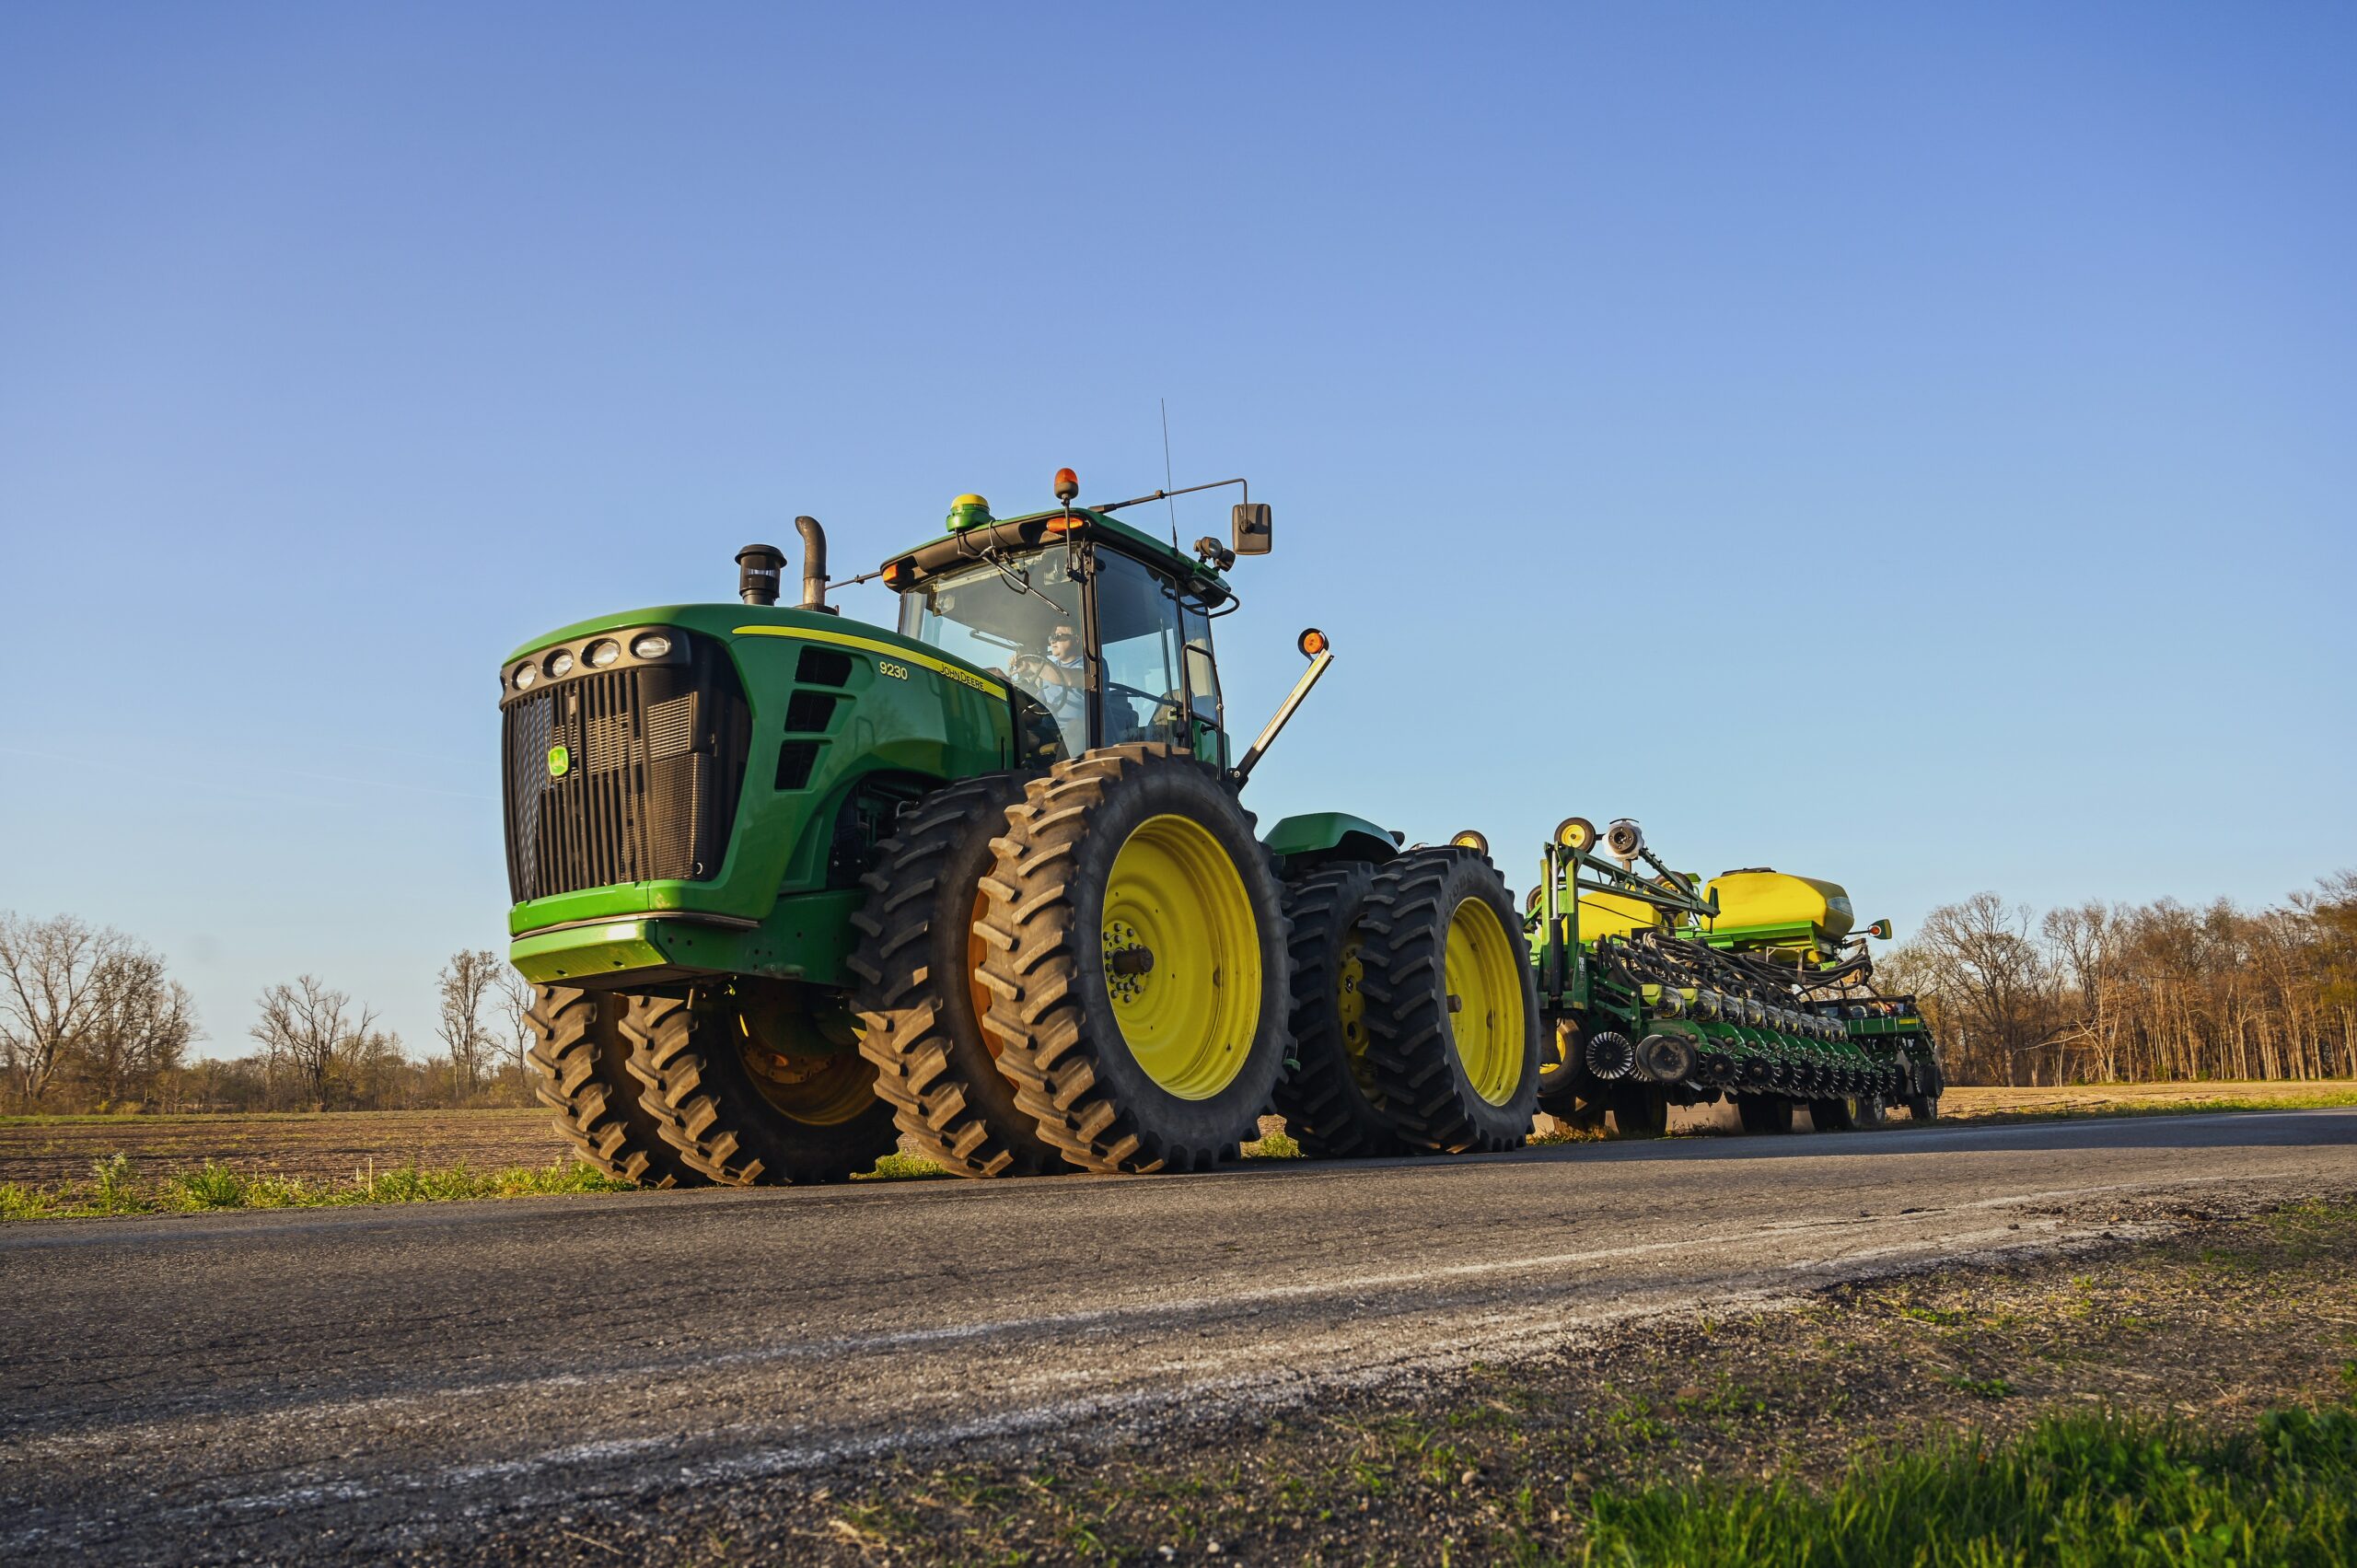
{"points": [[1060, 683]]}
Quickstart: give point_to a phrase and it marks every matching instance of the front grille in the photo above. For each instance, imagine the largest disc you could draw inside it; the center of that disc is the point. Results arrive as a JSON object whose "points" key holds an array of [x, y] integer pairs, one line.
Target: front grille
{"points": [[652, 760]]}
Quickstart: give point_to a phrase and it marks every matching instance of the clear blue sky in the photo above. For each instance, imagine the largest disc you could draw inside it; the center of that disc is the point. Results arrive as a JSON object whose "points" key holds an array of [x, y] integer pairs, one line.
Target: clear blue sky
{"points": [[1911, 445]]}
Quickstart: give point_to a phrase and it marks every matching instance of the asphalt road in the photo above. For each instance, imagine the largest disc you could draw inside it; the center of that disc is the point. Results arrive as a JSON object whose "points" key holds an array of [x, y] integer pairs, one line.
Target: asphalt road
{"points": [[298, 1385]]}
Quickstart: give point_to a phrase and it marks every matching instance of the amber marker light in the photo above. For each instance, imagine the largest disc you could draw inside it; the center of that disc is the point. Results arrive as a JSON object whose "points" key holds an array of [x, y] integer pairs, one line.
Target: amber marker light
{"points": [[1312, 643]]}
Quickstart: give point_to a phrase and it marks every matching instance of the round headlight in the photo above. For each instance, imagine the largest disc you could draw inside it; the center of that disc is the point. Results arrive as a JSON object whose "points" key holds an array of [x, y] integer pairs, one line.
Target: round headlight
{"points": [[603, 651], [526, 674], [560, 662], [650, 644]]}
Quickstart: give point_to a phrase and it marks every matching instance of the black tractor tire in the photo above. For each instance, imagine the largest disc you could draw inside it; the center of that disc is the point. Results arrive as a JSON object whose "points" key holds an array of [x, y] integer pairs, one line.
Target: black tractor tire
{"points": [[1830, 1115], [1923, 1088], [708, 1102], [1764, 1113], [1056, 927], [1638, 1110], [919, 1007], [1328, 1100], [1419, 1067], [581, 1067], [1868, 1113]]}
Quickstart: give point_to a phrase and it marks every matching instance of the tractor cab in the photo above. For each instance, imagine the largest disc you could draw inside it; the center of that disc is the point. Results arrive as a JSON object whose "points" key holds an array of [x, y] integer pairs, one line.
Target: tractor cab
{"points": [[1101, 632]]}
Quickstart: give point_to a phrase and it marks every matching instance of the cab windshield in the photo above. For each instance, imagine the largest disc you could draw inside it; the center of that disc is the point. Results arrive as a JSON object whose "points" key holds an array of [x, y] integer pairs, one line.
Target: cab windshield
{"points": [[1022, 623], [1022, 620]]}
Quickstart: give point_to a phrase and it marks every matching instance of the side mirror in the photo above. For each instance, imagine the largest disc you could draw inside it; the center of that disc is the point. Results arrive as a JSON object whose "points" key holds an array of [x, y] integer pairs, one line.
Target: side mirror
{"points": [[1251, 528]]}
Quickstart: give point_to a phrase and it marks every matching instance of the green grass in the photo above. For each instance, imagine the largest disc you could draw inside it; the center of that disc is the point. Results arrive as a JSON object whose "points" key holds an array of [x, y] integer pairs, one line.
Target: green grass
{"points": [[902, 1168], [117, 1187], [2075, 1492]]}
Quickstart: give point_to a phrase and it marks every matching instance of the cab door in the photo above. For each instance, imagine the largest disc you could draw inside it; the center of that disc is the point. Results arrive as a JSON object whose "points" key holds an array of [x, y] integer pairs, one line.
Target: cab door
{"points": [[1155, 681]]}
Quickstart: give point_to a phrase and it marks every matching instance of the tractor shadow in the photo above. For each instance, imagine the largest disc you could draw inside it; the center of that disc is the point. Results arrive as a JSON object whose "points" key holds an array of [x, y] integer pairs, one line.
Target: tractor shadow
{"points": [[2210, 1130]]}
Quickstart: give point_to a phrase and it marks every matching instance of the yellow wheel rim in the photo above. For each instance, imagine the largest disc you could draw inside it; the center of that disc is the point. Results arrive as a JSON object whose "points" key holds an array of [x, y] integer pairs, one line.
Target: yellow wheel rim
{"points": [[1555, 1061], [1485, 1002], [1349, 1009], [800, 1077], [1182, 957]]}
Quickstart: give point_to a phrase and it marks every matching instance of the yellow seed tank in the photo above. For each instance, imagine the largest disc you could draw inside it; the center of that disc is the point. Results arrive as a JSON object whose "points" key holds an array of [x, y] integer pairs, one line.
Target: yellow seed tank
{"points": [[1775, 903]]}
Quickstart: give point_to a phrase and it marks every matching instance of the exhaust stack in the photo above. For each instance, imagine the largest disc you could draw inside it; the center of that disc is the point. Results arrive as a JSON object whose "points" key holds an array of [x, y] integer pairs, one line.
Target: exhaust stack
{"points": [[813, 565]]}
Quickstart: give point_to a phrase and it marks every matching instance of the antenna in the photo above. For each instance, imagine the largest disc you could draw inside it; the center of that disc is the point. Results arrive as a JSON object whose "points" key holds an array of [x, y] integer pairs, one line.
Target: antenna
{"points": [[1168, 484]]}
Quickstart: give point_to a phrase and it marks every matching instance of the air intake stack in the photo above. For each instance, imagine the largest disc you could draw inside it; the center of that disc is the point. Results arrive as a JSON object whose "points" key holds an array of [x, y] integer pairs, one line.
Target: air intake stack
{"points": [[758, 569]]}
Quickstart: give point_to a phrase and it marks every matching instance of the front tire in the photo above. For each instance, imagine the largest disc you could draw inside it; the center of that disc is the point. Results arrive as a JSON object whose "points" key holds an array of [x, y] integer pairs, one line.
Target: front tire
{"points": [[1136, 951], [581, 1060], [919, 1000], [739, 1084]]}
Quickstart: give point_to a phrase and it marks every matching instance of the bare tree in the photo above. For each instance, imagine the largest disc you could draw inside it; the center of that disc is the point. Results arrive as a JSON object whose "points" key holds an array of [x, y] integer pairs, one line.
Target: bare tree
{"points": [[141, 1031], [54, 987], [313, 1033], [2082, 940], [1994, 985], [515, 1003], [467, 982], [377, 1069]]}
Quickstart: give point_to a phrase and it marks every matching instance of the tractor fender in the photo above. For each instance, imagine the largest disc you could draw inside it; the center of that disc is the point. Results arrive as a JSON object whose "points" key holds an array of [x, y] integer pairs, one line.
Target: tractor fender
{"points": [[1304, 844]]}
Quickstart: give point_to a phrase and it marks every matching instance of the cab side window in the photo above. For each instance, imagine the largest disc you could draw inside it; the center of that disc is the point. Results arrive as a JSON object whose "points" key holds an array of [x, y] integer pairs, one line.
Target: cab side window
{"points": [[1138, 640]]}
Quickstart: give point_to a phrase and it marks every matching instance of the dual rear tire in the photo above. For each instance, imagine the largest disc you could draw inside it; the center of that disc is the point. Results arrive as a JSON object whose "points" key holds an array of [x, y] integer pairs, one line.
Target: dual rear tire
{"points": [[1329, 1096], [1415, 1017], [1451, 1004]]}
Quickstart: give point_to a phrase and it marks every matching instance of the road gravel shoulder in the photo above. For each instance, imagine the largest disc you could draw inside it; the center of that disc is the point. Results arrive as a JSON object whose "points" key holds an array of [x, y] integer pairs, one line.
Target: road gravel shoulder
{"points": [[2206, 1310]]}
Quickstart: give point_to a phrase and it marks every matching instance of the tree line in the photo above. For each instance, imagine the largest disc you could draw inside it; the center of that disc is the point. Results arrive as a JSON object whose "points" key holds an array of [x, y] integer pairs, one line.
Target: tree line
{"points": [[2107, 993], [89, 1021], [2092, 992]]}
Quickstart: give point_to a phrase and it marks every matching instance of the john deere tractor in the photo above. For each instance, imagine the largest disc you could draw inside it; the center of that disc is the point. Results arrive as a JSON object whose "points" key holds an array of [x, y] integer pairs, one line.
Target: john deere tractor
{"points": [[792, 887]]}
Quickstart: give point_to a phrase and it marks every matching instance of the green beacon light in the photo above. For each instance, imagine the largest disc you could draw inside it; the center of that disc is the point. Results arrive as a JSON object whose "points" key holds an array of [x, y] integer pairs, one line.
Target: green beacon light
{"points": [[969, 512]]}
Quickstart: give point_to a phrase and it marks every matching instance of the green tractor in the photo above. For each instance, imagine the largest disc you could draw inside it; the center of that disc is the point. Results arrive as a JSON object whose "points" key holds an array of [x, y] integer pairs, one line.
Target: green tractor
{"points": [[793, 889]]}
